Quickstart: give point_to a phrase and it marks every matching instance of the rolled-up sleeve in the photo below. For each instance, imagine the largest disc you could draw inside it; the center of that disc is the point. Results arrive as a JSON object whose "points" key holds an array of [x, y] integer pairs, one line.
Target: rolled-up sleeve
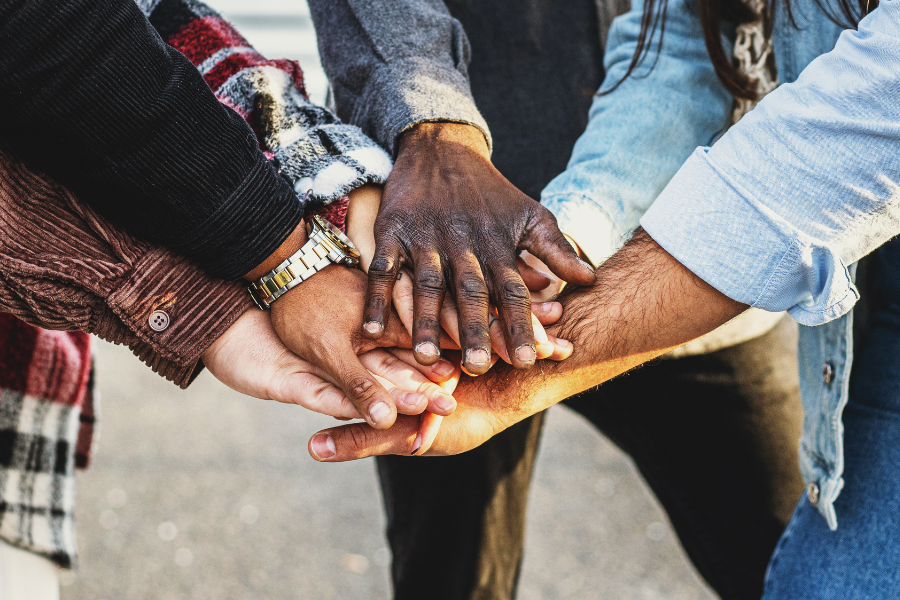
{"points": [[803, 186]]}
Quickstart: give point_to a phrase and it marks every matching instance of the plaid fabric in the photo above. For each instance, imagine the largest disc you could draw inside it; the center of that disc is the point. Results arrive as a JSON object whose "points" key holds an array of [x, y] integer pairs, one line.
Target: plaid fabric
{"points": [[47, 412], [46, 426], [312, 148]]}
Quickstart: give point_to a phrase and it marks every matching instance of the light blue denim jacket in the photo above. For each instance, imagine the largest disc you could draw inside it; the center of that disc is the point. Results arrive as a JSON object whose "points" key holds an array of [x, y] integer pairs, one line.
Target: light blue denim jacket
{"points": [[777, 212]]}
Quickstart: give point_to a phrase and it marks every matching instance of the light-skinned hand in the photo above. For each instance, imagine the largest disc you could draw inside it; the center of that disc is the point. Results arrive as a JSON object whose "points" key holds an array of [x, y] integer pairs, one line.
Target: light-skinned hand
{"points": [[250, 358]]}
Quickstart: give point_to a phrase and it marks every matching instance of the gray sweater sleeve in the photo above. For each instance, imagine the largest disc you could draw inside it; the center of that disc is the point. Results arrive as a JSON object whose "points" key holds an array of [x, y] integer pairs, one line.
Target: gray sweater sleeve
{"points": [[395, 63]]}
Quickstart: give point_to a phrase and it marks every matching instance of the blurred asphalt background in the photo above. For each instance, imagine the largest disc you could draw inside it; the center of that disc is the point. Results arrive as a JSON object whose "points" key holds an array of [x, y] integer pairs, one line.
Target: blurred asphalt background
{"points": [[207, 494]]}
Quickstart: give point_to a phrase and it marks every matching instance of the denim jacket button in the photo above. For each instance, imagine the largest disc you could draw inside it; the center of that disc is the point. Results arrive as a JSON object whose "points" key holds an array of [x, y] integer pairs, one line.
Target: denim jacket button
{"points": [[812, 492], [159, 320], [827, 373]]}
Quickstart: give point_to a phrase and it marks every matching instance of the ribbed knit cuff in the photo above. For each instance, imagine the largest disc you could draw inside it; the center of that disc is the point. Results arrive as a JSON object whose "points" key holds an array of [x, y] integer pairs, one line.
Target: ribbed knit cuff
{"points": [[404, 93]]}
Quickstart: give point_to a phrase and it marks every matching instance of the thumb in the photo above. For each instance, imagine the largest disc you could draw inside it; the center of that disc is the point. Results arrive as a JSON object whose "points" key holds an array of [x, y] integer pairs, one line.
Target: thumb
{"points": [[369, 397], [547, 242], [352, 442]]}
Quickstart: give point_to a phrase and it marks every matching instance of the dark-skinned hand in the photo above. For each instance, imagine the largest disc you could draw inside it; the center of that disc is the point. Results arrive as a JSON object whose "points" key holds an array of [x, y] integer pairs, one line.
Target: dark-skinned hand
{"points": [[457, 222]]}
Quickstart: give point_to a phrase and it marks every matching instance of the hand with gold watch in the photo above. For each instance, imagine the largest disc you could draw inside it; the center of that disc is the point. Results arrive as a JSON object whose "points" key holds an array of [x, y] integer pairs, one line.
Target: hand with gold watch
{"points": [[316, 305], [326, 245]]}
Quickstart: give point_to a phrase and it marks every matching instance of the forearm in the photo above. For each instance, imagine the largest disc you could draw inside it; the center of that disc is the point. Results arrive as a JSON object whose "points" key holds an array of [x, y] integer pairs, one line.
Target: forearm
{"points": [[64, 267], [643, 304], [92, 95], [803, 186]]}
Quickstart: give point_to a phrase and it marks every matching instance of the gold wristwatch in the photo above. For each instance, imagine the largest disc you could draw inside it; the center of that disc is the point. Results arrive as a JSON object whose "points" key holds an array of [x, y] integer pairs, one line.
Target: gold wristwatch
{"points": [[326, 246]]}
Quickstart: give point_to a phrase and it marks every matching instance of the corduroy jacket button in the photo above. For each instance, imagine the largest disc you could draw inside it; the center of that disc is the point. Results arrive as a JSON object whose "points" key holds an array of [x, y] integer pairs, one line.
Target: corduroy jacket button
{"points": [[158, 320]]}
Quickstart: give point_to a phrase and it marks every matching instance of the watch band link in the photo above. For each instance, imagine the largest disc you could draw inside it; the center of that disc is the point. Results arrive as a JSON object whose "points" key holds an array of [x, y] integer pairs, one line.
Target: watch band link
{"points": [[316, 254]]}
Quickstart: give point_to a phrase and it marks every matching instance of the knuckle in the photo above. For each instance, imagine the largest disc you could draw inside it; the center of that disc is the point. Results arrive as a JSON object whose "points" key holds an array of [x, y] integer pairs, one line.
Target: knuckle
{"points": [[358, 439], [361, 387], [475, 333], [519, 328], [473, 287], [429, 280], [386, 362], [459, 224], [382, 267], [515, 292], [427, 324], [391, 223]]}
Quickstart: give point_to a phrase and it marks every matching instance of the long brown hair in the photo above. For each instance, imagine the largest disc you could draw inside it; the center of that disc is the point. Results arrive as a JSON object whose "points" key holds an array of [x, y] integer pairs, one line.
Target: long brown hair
{"points": [[712, 13]]}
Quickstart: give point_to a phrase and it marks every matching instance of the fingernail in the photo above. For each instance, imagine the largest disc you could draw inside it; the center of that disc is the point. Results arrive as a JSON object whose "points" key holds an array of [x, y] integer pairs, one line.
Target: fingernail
{"points": [[378, 411], [428, 349], [373, 327], [416, 445], [547, 306], [323, 445], [526, 353], [444, 402], [442, 368], [563, 343], [478, 356], [547, 275]]}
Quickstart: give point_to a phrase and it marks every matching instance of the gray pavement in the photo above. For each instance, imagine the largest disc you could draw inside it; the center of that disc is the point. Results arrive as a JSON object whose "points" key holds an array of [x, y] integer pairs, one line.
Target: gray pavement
{"points": [[206, 493]]}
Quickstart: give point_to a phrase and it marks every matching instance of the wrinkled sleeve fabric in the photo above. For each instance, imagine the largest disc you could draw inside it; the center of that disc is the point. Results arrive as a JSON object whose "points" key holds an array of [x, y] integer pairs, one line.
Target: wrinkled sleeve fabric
{"points": [[803, 186], [92, 95], [395, 63], [65, 267], [641, 133]]}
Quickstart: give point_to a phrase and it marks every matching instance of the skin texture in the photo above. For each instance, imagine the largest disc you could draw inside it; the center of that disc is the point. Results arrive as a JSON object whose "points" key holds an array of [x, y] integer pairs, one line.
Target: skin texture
{"points": [[364, 205], [451, 217], [250, 358], [319, 321], [363, 210], [643, 304], [327, 334]]}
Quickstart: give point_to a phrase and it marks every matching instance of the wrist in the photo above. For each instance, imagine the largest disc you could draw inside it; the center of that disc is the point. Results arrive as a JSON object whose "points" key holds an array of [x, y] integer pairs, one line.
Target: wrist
{"points": [[427, 135], [288, 247], [361, 214]]}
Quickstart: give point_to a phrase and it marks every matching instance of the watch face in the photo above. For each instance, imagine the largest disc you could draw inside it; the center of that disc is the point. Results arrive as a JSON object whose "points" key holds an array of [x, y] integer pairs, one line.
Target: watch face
{"points": [[337, 237]]}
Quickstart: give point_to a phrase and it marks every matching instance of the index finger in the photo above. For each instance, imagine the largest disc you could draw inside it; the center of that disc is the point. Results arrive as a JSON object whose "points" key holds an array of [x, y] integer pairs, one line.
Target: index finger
{"points": [[382, 275]]}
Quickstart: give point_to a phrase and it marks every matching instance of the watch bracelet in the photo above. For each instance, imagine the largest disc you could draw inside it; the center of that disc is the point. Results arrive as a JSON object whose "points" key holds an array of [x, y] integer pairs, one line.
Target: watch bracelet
{"points": [[317, 253]]}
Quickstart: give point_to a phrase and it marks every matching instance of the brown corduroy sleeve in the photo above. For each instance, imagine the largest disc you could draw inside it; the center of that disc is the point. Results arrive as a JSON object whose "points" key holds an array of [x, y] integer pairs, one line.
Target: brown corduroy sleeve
{"points": [[62, 266]]}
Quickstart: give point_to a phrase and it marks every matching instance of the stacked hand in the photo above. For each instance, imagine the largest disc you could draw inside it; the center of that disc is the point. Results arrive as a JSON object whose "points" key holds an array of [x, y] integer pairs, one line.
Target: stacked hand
{"points": [[448, 222]]}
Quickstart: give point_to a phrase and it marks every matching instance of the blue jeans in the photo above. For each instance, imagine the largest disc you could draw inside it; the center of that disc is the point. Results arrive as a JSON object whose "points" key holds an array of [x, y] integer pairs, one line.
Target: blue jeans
{"points": [[861, 560]]}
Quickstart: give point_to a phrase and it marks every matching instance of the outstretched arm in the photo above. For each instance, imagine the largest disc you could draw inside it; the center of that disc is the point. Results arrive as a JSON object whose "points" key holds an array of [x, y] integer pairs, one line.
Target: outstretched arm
{"points": [[643, 304]]}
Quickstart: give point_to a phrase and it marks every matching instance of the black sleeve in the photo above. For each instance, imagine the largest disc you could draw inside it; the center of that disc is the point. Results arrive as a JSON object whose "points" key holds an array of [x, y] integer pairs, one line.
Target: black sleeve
{"points": [[91, 95]]}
